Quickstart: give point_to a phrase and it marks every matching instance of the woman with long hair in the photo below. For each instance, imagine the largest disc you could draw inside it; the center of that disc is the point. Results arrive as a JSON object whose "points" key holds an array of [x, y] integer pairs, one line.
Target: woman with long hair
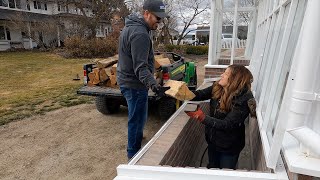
{"points": [[231, 101]]}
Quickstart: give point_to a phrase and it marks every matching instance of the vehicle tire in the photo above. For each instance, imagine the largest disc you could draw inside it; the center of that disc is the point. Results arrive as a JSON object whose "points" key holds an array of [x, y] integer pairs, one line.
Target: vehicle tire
{"points": [[195, 78], [107, 105], [166, 107]]}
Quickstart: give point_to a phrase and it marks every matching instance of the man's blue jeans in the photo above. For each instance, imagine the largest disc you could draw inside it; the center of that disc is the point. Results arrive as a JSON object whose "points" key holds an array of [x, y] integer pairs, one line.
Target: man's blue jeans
{"points": [[137, 100]]}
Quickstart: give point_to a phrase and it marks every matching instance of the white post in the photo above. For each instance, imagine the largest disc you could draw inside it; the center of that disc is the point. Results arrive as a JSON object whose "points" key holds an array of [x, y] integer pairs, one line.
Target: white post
{"points": [[58, 36], [235, 30], [195, 38], [212, 57], [219, 46], [308, 57], [29, 34]]}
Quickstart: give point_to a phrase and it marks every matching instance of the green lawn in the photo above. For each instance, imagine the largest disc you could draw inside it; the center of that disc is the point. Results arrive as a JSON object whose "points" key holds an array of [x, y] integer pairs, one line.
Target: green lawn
{"points": [[36, 82]]}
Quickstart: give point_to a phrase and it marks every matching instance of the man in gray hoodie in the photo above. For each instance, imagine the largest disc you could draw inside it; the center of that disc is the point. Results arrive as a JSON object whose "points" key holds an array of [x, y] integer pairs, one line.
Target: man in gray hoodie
{"points": [[136, 68]]}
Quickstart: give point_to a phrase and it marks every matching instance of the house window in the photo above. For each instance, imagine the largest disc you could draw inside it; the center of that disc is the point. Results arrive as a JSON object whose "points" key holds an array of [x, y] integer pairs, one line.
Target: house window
{"points": [[99, 30], [45, 6], [2, 33], [24, 35], [12, 4], [8, 34], [106, 31], [36, 5], [61, 8], [4, 3], [18, 4]]}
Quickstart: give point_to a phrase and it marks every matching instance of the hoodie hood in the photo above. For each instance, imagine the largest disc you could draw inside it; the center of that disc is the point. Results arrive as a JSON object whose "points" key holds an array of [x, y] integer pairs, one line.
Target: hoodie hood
{"points": [[136, 20]]}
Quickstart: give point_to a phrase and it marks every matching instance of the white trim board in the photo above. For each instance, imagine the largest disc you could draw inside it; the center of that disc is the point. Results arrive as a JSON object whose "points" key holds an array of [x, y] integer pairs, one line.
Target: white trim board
{"points": [[126, 172]]}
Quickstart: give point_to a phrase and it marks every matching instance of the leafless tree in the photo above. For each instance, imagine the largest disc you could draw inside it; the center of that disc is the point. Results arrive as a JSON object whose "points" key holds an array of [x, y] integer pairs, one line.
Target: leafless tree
{"points": [[243, 17], [32, 27], [186, 12], [103, 11], [168, 25], [163, 33], [181, 14], [134, 5]]}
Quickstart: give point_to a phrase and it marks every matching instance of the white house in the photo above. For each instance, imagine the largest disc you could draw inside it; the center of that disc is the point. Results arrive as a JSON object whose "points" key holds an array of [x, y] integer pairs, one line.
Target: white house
{"points": [[25, 24]]}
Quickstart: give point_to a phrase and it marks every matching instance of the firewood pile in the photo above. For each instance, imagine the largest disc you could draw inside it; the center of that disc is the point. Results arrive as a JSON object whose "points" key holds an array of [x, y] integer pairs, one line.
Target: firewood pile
{"points": [[105, 73]]}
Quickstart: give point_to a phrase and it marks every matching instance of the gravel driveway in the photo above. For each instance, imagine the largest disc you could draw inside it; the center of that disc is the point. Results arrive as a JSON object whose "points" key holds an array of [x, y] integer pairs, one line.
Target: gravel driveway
{"points": [[71, 143]]}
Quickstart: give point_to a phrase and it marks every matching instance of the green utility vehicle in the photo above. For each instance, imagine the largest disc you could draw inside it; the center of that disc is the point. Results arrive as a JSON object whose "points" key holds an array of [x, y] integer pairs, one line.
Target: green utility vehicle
{"points": [[108, 100]]}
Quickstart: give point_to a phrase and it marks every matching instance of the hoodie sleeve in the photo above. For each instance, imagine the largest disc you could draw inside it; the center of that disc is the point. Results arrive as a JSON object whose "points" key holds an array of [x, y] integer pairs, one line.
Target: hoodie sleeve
{"points": [[203, 94], [140, 47]]}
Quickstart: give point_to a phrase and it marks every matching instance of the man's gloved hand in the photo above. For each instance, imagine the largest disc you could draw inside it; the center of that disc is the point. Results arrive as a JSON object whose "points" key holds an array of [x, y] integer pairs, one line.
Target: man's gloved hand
{"points": [[197, 115], [159, 90]]}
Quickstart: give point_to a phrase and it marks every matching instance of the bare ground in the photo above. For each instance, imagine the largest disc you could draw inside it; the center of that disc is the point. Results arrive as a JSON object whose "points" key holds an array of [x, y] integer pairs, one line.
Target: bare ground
{"points": [[71, 143]]}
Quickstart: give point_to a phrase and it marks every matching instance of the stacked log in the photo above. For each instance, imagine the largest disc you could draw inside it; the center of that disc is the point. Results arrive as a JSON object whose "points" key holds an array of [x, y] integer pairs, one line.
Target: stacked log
{"points": [[105, 73], [160, 60], [107, 62]]}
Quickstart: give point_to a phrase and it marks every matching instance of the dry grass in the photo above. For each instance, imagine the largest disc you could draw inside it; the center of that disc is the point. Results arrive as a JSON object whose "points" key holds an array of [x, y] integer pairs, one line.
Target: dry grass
{"points": [[34, 82]]}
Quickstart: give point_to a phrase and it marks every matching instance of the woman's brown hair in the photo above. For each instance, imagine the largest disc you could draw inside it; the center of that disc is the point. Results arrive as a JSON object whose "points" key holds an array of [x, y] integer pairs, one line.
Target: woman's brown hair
{"points": [[240, 79]]}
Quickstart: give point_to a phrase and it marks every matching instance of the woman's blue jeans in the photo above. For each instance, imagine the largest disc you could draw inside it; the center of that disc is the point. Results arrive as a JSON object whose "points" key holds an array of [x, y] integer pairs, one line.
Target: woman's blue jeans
{"points": [[221, 159], [137, 100]]}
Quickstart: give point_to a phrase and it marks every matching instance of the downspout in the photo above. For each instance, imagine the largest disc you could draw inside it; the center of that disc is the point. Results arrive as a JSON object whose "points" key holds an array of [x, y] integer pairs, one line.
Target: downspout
{"points": [[303, 93], [309, 139]]}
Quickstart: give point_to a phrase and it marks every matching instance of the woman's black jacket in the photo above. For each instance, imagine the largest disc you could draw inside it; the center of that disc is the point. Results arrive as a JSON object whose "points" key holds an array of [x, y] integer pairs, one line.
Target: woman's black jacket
{"points": [[226, 131]]}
